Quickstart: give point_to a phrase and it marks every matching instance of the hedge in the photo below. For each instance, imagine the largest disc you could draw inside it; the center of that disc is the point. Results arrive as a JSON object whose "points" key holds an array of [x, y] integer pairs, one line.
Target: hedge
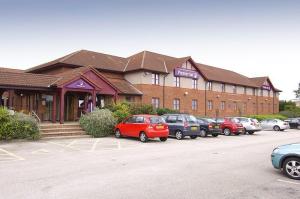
{"points": [[264, 117]]}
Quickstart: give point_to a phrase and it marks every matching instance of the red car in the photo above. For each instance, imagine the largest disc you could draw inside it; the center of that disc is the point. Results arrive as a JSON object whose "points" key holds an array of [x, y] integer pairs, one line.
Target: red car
{"points": [[143, 127], [230, 126]]}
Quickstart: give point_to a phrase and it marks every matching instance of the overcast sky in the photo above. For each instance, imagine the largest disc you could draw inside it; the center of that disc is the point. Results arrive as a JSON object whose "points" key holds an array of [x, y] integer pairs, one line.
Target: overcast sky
{"points": [[254, 38]]}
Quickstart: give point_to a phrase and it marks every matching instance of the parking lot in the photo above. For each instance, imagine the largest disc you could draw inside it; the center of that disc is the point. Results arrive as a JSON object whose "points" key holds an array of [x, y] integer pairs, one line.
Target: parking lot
{"points": [[222, 167]]}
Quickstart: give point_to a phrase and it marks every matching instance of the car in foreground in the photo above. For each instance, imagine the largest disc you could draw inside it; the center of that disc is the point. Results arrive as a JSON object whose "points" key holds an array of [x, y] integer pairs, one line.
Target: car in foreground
{"points": [[250, 125], [230, 126], [209, 127], [182, 125], [294, 123], [143, 127], [287, 159], [274, 124]]}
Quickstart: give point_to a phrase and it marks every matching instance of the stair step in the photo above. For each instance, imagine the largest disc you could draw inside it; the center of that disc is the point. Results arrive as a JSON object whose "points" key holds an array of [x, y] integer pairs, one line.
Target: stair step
{"points": [[67, 137], [60, 129], [63, 133], [55, 126]]}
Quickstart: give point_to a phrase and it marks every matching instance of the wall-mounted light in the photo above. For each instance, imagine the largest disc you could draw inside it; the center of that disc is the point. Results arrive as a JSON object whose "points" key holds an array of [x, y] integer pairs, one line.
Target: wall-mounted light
{"points": [[186, 93], [249, 98], [21, 94], [218, 96]]}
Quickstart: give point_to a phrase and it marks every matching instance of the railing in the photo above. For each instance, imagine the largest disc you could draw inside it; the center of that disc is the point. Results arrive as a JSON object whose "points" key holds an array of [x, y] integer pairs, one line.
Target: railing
{"points": [[33, 114]]}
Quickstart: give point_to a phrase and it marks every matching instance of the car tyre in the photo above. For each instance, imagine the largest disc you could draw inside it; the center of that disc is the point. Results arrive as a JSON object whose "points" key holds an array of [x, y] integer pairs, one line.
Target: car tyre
{"points": [[193, 136], [163, 139], [251, 132], [215, 134], [276, 128], [118, 133], [291, 168], [203, 133], [227, 132], [179, 135], [143, 137]]}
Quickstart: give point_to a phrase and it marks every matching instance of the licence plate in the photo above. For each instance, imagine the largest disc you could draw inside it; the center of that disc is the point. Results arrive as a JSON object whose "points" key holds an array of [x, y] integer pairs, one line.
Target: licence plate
{"points": [[159, 127], [194, 128], [217, 127]]}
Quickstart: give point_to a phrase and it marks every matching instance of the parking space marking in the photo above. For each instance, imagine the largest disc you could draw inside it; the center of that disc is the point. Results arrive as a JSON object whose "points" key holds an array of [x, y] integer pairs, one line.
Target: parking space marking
{"points": [[11, 155], [65, 146], [290, 182], [119, 144], [71, 143], [40, 151], [94, 145]]}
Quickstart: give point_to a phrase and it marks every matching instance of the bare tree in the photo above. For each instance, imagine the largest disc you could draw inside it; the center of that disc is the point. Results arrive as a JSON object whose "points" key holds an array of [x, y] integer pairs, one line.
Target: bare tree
{"points": [[297, 92]]}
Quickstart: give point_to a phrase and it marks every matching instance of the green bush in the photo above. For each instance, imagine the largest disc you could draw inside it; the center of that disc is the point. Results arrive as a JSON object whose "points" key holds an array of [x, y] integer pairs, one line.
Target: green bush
{"points": [[290, 113], [17, 126], [121, 111], [264, 117], [142, 109], [99, 123], [161, 111]]}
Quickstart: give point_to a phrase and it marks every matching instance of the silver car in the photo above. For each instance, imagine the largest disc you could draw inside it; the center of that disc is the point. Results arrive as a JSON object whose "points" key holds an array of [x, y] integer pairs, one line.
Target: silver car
{"points": [[274, 124], [250, 125]]}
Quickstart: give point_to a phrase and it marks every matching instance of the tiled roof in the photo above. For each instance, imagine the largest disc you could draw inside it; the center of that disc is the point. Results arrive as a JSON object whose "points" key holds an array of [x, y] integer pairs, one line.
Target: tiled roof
{"points": [[10, 78], [3, 70]]}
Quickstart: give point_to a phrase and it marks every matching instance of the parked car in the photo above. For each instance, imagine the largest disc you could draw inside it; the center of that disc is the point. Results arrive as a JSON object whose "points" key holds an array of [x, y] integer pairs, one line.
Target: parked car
{"points": [[230, 126], [182, 125], [287, 159], [294, 123], [250, 125], [143, 127], [274, 124], [209, 127]]}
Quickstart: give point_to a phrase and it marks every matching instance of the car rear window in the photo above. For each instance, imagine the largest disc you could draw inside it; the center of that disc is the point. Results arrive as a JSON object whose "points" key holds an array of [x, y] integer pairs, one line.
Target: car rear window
{"points": [[156, 120], [243, 119], [191, 119]]}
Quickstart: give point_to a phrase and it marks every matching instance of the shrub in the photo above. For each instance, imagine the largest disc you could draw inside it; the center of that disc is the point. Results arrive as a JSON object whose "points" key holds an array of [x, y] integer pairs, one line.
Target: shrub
{"points": [[99, 123], [121, 111], [142, 109], [290, 114], [264, 117], [17, 126], [161, 111]]}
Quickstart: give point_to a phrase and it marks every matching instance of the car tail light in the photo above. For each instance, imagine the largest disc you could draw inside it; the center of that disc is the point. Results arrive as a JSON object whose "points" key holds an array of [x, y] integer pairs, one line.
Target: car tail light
{"points": [[210, 126], [150, 126], [185, 124]]}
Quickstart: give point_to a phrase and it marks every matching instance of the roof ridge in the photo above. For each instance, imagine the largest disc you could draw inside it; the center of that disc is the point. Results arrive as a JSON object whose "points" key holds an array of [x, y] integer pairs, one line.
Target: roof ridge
{"points": [[69, 56], [126, 65]]}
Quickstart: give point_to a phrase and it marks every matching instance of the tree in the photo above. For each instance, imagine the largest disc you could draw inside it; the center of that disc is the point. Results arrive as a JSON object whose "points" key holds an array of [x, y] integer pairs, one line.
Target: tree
{"points": [[297, 92]]}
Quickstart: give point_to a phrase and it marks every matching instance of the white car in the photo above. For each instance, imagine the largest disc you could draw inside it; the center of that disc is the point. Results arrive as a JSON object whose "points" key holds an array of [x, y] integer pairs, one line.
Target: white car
{"points": [[250, 125], [274, 124]]}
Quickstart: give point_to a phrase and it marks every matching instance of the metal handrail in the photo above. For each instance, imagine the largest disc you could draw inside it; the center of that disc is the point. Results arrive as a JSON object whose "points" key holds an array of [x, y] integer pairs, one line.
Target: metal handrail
{"points": [[33, 113]]}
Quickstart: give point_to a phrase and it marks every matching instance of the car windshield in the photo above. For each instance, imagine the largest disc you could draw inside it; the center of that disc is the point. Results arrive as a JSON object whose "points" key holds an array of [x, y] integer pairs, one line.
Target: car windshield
{"points": [[156, 120], [235, 120], [220, 120], [254, 120], [191, 119], [243, 119], [210, 120]]}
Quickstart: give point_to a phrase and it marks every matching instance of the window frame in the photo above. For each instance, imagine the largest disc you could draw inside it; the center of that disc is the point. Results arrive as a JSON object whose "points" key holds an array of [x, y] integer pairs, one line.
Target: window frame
{"points": [[176, 104], [155, 79], [194, 104]]}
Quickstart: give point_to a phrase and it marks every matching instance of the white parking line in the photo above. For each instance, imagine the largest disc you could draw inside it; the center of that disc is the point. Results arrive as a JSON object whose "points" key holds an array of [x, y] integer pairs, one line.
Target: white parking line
{"points": [[119, 144], [12, 154], [40, 151], [290, 182], [71, 143], [94, 145], [64, 146]]}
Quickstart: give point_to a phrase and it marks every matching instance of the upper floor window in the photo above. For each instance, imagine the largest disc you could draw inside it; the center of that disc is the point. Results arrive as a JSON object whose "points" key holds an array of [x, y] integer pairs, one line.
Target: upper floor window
{"points": [[176, 104], [195, 83], [209, 104], [223, 88], [155, 102], [209, 86], [177, 81], [234, 88], [155, 78], [245, 90], [194, 104], [253, 91]]}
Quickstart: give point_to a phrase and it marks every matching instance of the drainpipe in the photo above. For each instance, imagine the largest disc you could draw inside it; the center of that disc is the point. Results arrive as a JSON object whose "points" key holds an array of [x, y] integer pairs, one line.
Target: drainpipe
{"points": [[164, 85], [205, 105]]}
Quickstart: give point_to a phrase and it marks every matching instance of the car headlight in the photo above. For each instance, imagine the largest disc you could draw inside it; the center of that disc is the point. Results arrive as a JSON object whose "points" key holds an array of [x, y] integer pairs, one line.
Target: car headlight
{"points": [[276, 150]]}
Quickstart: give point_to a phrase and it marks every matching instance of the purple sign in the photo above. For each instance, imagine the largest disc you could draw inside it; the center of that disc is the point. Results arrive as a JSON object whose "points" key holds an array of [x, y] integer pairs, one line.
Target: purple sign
{"points": [[80, 84], [182, 72]]}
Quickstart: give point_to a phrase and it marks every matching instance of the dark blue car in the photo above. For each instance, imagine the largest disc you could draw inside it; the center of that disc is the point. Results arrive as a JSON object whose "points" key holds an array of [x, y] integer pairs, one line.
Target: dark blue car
{"points": [[182, 125]]}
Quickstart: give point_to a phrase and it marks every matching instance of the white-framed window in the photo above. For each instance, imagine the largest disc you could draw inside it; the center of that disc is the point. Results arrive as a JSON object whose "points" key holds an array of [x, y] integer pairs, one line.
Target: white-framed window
{"points": [[223, 105], [234, 106], [176, 104], [209, 86], [155, 78], [195, 84], [253, 91], [223, 87], [245, 90], [155, 102], [194, 104], [234, 89], [209, 104], [177, 81]]}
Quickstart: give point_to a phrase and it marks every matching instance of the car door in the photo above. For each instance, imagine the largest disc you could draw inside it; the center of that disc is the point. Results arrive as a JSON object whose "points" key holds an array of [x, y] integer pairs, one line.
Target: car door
{"points": [[127, 126], [138, 125]]}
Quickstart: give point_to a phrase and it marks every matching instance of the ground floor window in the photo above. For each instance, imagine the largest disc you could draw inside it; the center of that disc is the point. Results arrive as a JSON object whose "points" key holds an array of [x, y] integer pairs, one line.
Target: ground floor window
{"points": [[155, 102], [210, 105], [176, 104], [234, 106], [223, 105], [194, 105]]}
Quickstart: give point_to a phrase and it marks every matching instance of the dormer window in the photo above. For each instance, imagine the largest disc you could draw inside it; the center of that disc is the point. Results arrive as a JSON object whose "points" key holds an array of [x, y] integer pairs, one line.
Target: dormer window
{"points": [[155, 78]]}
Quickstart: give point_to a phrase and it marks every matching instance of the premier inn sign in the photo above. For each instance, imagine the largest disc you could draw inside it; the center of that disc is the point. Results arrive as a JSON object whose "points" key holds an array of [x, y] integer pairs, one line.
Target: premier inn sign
{"points": [[182, 72]]}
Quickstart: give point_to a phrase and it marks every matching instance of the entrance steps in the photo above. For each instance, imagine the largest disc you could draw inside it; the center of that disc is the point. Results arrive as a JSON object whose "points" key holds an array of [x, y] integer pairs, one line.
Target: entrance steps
{"points": [[67, 130]]}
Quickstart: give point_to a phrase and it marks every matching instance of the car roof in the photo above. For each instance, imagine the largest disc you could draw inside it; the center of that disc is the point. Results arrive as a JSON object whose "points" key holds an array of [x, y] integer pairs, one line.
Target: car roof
{"points": [[145, 115]]}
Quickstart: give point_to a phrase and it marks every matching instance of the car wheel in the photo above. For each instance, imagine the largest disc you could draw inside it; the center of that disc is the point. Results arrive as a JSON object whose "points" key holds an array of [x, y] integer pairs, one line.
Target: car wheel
{"points": [[179, 135], [118, 133], [215, 134], [193, 136], [276, 128], [163, 139], [227, 132], [143, 137], [291, 168], [203, 133], [251, 132]]}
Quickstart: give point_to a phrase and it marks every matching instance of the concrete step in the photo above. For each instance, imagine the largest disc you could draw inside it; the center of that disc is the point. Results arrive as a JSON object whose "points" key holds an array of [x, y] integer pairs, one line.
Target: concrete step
{"points": [[58, 134], [63, 129], [67, 137], [55, 126]]}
